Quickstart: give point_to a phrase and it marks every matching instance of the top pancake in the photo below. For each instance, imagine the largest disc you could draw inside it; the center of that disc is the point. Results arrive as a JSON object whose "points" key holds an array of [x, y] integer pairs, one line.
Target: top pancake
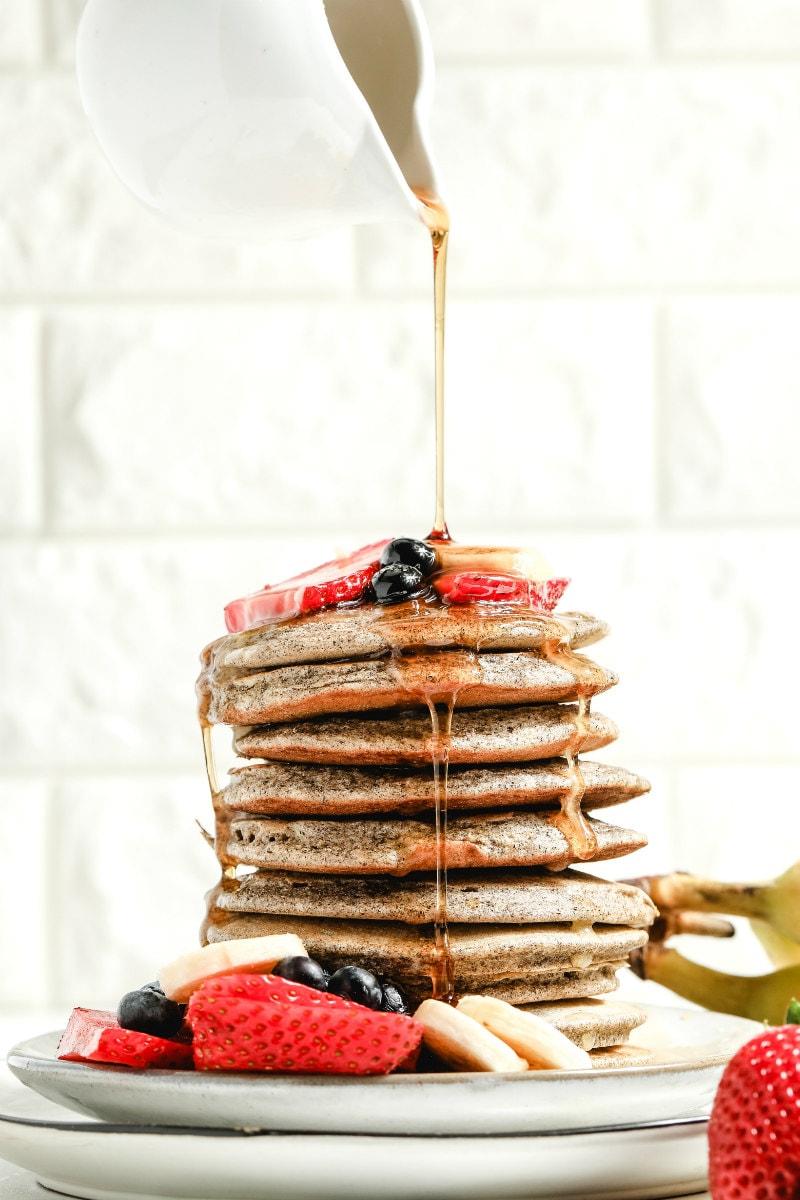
{"points": [[288, 693], [370, 630]]}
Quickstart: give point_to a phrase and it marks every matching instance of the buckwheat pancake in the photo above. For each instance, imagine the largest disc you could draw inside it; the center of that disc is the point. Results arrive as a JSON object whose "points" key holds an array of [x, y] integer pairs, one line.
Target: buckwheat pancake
{"points": [[524, 963], [275, 788], [524, 896], [592, 1024], [397, 847], [364, 632], [620, 1056], [478, 679], [481, 735]]}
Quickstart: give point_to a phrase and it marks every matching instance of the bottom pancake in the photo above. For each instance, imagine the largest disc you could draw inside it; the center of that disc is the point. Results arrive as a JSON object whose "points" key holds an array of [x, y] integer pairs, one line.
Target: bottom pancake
{"points": [[518, 963], [620, 1056], [592, 1024]]}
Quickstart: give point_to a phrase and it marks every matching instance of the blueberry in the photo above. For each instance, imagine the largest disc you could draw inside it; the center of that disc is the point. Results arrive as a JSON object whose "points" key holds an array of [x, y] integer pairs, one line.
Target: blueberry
{"points": [[149, 1011], [358, 985], [393, 1001], [300, 969], [411, 552], [396, 583], [155, 986]]}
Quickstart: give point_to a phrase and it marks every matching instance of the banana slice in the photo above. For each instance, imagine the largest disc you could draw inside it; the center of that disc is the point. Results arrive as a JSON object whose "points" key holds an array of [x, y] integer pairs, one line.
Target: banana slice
{"points": [[503, 560], [463, 1043], [257, 955], [541, 1045]]}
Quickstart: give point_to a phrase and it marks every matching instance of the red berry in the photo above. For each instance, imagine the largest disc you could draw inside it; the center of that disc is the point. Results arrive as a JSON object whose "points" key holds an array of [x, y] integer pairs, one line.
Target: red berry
{"points": [[343, 580], [547, 595], [275, 988], [265, 1023], [754, 1132], [471, 587], [95, 1036]]}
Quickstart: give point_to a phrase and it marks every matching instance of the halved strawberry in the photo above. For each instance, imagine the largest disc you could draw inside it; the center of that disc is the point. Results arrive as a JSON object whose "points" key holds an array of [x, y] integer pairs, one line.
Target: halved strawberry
{"points": [[264, 1023], [95, 1036], [468, 587], [339, 581], [547, 595], [472, 587], [274, 988]]}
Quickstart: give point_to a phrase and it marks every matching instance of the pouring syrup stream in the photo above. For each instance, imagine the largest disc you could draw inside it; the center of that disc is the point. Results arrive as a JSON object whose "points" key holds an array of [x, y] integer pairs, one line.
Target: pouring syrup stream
{"points": [[437, 219]]}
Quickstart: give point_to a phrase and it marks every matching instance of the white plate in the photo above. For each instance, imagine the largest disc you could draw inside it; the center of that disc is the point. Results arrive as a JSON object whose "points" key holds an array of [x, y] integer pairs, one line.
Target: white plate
{"points": [[691, 1049], [114, 1162]]}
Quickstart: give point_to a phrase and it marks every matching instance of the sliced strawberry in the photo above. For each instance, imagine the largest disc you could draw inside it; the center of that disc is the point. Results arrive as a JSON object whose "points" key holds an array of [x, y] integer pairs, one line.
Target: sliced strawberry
{"points": [[546, 595], [95, 1036], [472, 587], [274, 988], [339, 581], [263, 1023], [469, 587]]}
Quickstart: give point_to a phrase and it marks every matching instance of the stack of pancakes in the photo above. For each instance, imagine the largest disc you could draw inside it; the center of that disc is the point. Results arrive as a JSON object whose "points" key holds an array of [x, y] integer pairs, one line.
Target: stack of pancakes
{"points": [[327, 829]]}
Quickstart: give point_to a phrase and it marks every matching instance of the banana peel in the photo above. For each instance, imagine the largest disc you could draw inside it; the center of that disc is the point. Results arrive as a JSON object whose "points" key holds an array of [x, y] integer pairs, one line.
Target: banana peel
{"points": [[759, 997], [773, 910], [782, 951], [775, 903]]}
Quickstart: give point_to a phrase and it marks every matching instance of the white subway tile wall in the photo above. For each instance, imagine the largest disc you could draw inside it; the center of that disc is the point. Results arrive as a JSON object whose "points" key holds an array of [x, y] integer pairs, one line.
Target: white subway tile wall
{"points": [[181, 422]]}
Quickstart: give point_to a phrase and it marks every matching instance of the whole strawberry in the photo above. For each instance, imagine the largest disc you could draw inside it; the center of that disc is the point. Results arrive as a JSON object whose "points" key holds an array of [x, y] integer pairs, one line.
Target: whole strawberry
{"points": [[754, 1132]]}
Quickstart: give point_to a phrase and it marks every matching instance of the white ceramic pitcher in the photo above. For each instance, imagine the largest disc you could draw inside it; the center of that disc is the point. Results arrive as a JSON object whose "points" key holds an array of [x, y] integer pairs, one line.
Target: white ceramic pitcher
{"points": [[257, 119]]}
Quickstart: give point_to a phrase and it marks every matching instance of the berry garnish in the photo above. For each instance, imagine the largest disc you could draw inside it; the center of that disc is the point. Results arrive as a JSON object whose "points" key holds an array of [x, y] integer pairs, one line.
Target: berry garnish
{"points": [[94, 1036], [754, 1131], [398, 582], [341, 581], [411, 552], [547, 594], [393, 1001], [473, 587], [265, 1023], [470, 587], [298, 969], [356, 984], [149, 1011]]}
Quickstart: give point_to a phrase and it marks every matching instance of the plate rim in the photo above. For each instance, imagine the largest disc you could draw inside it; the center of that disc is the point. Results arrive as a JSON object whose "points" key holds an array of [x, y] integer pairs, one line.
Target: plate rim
{"points": [[37, 1062]]}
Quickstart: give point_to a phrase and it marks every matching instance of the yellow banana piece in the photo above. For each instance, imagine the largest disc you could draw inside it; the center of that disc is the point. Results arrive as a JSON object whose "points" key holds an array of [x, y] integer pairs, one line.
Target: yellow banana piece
{"points": [[183, 976], [541, 1045], [462, 1042]]}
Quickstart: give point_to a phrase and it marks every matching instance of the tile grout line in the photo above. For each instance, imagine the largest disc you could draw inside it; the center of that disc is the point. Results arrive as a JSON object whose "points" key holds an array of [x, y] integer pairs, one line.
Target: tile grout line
{"points": [[46, 449], [52, 903], [660, 433], [361, 295]]}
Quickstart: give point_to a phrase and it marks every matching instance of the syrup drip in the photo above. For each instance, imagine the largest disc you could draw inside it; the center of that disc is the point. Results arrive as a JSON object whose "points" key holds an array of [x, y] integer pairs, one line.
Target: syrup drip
{"points": [[571, 820], [222, 820], [442, 975], [413, 675], [437, 219]]}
